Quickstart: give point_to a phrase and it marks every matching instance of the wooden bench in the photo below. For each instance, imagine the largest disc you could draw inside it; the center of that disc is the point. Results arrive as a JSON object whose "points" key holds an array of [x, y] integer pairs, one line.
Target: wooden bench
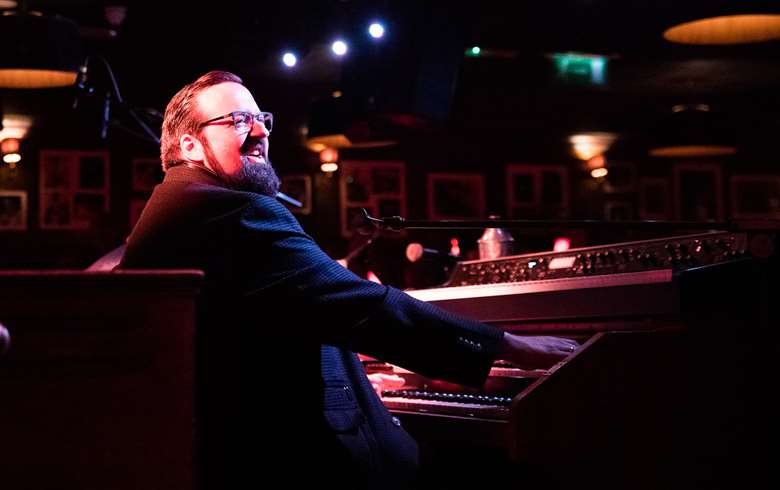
{"points": [[96, 391]]}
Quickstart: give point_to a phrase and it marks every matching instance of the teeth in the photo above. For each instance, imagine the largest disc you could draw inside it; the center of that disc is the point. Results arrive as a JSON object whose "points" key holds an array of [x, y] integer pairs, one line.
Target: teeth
{"points": [[256, 151]]}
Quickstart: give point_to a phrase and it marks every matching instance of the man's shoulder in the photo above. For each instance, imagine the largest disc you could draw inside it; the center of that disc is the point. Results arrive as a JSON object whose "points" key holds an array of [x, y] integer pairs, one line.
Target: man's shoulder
{"points": [[189, 193], [210, 201], [177, 203]]}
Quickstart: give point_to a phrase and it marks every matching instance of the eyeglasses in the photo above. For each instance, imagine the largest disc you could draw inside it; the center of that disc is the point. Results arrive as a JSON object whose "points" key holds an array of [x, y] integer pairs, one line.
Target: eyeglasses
{"points": [[244, 121]]}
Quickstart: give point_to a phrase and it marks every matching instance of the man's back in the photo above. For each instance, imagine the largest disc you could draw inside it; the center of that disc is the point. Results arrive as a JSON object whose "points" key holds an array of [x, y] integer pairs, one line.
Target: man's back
{"points": [[263, 387]]}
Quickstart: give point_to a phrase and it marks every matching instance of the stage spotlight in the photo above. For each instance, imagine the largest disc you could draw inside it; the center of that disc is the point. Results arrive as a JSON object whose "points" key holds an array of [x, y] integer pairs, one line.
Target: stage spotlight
{"points": [[289, 60], [339, 47], [376, 30]]}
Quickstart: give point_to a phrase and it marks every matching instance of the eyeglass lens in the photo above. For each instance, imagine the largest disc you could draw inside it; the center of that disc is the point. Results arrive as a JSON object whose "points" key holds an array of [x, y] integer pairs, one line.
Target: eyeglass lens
{"points": [[245, 120]]}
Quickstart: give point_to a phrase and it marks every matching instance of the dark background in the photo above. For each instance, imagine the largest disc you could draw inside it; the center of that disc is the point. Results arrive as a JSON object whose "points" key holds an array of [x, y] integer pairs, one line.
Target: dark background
{"points": [[448, 112]]}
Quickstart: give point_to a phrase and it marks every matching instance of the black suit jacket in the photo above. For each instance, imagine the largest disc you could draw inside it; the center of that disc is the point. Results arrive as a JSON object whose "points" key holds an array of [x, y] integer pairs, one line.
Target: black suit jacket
{"points": [[279, 321]]}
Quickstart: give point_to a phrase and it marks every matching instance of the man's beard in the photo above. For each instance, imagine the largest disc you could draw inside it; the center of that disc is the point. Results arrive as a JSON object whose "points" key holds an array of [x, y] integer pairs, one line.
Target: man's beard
{"points": [[253, 177]]}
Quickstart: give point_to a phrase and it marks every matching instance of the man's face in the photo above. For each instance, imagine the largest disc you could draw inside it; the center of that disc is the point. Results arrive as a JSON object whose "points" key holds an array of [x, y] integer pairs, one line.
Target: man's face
{"points": [[240, 159]]}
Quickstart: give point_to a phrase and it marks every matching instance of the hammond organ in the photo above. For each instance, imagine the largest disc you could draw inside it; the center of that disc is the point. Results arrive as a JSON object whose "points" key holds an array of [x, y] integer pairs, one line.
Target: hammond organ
{"points": [[666, 389]]}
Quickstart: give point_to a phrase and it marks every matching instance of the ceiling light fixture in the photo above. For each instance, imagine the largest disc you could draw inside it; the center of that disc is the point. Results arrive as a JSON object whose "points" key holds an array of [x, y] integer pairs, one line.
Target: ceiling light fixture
{"points": [[598, 173], [588, 145], [289, 59], [10, 150], [339, 47], [692, 151], [38, 51], [15, 126], [692, 131], [376, 30], [334, 122], [727, 29]]}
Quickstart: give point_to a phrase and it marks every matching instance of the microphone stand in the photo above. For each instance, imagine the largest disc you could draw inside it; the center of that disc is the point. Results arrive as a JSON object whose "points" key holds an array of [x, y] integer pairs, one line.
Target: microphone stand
{"points": [[359, 249], [397, 223], [112, 97]]}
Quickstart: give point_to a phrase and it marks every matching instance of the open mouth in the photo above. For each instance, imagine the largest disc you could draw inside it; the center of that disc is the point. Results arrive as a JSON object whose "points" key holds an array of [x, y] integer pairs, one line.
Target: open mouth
{"points": [[254, 150], [256, 155]]}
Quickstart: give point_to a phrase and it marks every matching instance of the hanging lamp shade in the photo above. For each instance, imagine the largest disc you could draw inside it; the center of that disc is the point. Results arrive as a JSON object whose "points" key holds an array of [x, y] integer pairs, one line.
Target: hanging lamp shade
{"points": [[38, 51], [345, 122], [727, 29], [693, 131]]}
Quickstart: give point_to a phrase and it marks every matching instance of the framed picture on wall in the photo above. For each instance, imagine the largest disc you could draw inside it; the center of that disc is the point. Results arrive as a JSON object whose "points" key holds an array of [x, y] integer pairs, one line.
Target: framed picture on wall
{"points": [[535, 190], [146, 173], [57, 170], [698, 191], [755, 196], [377, 186], [618, 211], [13, 210], [299, 188], [654, 199], [456, 196], [73, 189], [88, 209]]}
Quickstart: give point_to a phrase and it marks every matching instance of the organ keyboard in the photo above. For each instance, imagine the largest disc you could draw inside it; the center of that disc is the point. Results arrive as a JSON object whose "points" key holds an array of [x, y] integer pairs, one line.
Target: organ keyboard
{"points": [[662, 323]]}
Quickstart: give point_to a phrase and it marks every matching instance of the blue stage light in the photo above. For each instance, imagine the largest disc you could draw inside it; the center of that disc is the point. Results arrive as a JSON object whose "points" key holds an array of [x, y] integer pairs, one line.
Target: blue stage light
{"points": [[376, 30], [289, 59], [339, 47]]}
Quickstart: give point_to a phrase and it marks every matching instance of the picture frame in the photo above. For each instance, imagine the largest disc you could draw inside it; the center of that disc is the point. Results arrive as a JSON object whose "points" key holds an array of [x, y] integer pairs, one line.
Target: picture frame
{"points": [[298, 187], [698, 191], [456, 196], [537, 191], [73, 189], [654, 199], [377, 186], [755, 196], [88, 208], [618, 210], [13, 210], [146, 173]]}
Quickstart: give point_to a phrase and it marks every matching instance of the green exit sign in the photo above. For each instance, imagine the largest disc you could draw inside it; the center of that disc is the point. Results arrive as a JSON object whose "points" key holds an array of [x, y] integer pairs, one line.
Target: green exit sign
{"points": [[581, 68]]}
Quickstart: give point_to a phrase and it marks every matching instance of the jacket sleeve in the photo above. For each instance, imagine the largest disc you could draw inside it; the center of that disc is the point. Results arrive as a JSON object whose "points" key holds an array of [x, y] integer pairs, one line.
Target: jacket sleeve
{"points": [[329, 303]]}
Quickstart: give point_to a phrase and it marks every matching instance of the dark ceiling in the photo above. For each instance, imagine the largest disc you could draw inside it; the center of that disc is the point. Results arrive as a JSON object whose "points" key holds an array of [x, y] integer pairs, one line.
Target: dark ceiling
{"points": [[178, 35], [420, 68]]}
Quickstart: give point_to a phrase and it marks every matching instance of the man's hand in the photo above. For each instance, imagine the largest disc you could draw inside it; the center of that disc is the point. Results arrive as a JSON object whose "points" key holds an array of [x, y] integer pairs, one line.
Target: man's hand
{"points": [[535, 352], [382, 382]]}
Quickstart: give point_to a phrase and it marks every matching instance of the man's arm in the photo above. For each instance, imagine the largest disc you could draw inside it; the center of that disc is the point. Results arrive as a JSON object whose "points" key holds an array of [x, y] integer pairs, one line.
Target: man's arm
{"points": [[333, 306]]}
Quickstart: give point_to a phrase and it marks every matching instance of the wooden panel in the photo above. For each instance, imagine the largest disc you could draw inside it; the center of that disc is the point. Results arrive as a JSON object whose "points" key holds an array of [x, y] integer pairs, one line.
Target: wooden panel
{"points": [[97, 388]]}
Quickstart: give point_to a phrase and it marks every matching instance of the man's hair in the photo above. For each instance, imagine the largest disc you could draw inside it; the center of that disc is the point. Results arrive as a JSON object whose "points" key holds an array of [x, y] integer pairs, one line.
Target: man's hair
{"points": [[183, 117]]}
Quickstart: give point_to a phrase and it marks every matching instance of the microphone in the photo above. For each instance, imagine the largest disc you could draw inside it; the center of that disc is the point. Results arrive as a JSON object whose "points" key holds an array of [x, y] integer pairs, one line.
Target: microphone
{"points": [[416, 252], [289, 200], [81, 85], [106, 115]]}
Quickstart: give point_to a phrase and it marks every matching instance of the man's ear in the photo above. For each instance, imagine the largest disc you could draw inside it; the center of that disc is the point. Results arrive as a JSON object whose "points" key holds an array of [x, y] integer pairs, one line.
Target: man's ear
{"points": [[191, 148]]}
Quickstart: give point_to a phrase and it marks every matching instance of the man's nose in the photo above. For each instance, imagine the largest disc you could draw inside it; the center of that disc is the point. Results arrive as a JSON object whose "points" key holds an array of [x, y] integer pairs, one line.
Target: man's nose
{"points": [[259, 130]]}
